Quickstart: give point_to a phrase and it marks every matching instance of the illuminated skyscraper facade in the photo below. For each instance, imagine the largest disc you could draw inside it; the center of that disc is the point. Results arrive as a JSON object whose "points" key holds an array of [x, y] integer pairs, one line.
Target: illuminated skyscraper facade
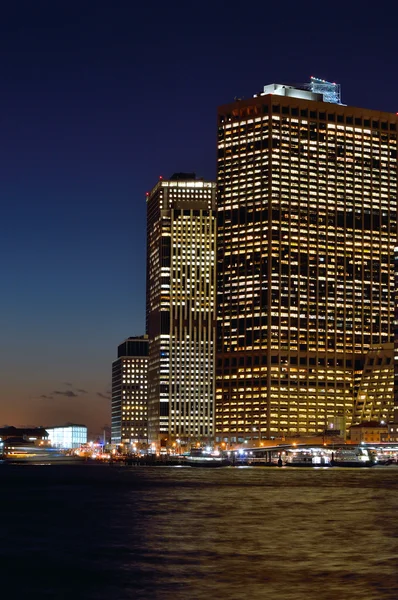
{"points": [[181, 313], [395, 414], [130, 393], [307, 213], [375, 399]]}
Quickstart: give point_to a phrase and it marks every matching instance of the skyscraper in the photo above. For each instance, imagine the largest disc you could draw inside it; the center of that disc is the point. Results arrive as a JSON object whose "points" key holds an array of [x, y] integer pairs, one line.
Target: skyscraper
{"points": [[395, 412], [130, 392], [181, 290], [307, 211]]}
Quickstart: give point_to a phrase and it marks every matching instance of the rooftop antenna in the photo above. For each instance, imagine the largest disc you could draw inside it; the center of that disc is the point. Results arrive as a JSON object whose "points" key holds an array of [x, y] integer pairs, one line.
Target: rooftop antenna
{"points": [[331, 91]]}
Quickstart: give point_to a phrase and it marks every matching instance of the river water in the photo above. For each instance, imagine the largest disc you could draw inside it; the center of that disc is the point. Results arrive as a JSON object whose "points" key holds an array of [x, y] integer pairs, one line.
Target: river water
{"points": [[101, 532]]}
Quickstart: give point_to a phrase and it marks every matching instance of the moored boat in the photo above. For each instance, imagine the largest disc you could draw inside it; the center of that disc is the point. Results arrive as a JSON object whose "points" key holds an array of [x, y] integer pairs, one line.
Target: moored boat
{"points": [[351, 457], [207, 461], [307, 458], [198, 458]]}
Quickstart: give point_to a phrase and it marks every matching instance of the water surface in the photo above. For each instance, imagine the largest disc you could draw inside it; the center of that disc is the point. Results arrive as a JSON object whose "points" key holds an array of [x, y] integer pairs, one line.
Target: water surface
{"points": [[97, 532]]}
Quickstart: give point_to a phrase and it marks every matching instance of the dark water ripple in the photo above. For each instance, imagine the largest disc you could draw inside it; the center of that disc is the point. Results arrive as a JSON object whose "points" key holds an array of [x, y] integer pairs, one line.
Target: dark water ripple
{"points": [[96, 532]]}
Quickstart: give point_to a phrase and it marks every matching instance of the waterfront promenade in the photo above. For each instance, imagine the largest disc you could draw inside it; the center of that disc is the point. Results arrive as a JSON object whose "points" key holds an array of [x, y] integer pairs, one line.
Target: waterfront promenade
{"points": [[281, 455]]}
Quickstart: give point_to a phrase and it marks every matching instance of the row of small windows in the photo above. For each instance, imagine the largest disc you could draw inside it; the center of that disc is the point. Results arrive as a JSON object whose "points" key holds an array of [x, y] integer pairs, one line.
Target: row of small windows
{"points": [[379, 361], [191, 212], [323, 116], [294, 360], [312, 114]]}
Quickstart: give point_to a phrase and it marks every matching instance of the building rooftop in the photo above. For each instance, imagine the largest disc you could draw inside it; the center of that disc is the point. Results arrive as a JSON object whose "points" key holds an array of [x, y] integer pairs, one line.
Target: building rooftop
{"points": [[182, 176], [317, 89], [66, 425], [12, 431]]}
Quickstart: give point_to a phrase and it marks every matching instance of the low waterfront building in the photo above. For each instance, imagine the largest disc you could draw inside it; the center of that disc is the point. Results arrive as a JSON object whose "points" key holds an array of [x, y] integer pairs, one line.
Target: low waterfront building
{"points": [[31, 434], [370, 432], [393, 432], [67, 436]]}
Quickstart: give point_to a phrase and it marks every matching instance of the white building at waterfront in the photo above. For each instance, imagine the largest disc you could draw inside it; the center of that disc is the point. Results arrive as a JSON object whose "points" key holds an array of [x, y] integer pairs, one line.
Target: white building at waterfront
{"points": [[67, 436]]}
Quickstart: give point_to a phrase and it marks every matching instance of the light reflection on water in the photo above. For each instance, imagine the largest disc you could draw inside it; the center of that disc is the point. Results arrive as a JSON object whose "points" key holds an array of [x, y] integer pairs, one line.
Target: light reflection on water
{"points": [[183, 533]]}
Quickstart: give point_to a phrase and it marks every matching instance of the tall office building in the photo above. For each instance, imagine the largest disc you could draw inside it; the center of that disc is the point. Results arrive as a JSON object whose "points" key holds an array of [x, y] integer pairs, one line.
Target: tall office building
{"points": [[307, 211], [130, 392], [181, 314], [393, 425]]}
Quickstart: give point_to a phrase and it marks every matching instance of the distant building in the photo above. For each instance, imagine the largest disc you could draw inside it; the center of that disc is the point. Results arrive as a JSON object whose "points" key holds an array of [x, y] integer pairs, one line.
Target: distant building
{"points": [[130, 392], [369, 432], [67, 436], [375, 397], [181, 305], [393, 432], [29, 434]]}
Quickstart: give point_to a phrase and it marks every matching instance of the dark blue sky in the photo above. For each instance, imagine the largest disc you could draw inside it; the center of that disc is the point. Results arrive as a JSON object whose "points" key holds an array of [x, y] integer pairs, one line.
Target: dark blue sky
{"points": [[97, 100]]}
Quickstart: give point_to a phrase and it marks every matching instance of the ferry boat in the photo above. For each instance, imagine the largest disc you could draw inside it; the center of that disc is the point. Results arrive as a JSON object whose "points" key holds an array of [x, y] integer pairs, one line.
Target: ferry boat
{"points": [[29, 453], [351, 457], [307, 459], [199, 458]]}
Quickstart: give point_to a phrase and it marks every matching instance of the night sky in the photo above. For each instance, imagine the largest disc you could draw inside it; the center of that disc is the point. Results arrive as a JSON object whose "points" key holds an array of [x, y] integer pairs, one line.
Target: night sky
{"points": [[97, 100]]}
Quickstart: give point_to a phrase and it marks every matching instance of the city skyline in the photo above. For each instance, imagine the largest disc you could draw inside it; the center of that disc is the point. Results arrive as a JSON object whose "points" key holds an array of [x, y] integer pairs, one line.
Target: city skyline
{"points": [[91, 116]]}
